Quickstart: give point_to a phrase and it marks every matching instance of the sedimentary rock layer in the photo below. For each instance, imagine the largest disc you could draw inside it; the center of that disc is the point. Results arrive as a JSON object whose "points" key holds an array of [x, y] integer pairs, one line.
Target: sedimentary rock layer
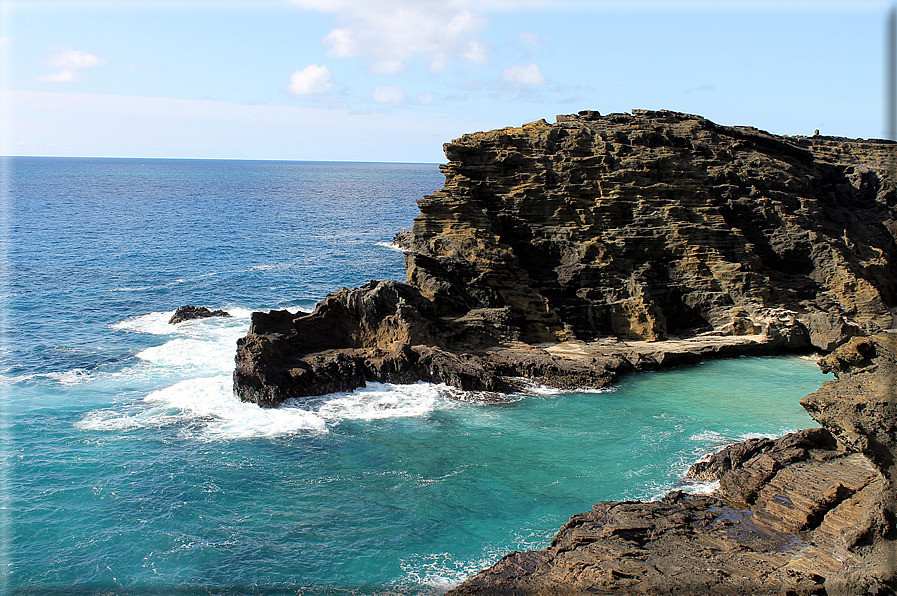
{"points": [[596, 232], [652, 224], [811, 513]]}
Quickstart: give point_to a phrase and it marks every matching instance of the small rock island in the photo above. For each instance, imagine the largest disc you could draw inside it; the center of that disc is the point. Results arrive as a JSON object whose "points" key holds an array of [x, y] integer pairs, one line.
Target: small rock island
{"points": [[570, 253]]}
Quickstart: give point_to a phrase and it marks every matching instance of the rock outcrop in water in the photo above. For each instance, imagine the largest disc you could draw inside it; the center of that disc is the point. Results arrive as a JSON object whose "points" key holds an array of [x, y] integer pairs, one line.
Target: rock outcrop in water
{"points": [[188, 312], [570, 253], [811, 513]]}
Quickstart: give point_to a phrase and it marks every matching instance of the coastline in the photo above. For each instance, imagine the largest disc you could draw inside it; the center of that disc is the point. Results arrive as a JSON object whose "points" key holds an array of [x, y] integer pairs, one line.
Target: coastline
{"points": [[808, 513], [570, 254]]}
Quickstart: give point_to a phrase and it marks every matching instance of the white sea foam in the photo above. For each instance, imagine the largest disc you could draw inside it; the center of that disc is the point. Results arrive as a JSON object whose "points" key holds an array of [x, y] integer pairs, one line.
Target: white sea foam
{"points": [[70, 377], [391, 246], [216, 355], [198, 361], [442, 571], [208, 407], [381, 400], [299, 309], [531, 387], [154, 323]]}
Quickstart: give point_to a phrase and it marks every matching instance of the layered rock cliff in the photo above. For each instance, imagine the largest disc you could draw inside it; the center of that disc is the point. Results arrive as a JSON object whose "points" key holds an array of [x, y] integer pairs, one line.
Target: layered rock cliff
{"points": [[812, 513], [572, 252], [652, 224]]}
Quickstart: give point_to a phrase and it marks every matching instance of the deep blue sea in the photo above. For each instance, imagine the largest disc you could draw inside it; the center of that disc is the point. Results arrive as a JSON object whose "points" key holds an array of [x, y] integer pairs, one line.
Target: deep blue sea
{"points": [[128, 466]]}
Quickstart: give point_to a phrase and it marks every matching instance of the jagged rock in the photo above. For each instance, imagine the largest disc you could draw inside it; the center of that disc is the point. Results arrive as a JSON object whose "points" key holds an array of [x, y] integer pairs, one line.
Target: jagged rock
{"points": [[803, 515], [382, 331], [732, 457], [403, 240], [185, 313], [652, 224]]}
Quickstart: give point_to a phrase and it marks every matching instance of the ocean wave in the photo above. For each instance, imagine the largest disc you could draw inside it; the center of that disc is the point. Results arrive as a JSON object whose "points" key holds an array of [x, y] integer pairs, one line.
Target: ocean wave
{"points": [[442, 571], [66, 378], [156, 323], [531, 387], [392, 246], [380, 400], [206, 407], [179, 352]]}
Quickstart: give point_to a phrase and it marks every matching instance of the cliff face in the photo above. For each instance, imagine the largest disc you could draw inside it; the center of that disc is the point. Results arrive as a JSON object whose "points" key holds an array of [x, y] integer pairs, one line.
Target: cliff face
{"points": [[811, 513], [596, 231], [658, 223]]}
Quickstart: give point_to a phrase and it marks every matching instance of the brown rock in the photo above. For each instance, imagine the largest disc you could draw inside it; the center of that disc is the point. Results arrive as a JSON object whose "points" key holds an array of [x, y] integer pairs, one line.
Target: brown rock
{"points": [[648, 224]]}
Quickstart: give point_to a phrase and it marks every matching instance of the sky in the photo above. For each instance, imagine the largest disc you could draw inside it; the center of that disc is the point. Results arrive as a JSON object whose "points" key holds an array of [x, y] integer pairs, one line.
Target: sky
{"points": [[392, 80]]}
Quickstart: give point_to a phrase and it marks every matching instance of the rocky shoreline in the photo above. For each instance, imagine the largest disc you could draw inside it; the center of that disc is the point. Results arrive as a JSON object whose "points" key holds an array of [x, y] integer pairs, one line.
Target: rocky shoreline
{"points": [[550, 242], [813, 512], [571, 253]]}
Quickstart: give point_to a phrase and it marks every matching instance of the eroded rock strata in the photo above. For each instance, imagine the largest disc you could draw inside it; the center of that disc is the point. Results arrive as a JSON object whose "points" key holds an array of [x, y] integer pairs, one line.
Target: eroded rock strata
{"points": [[652, 224], [572, 252], [810, 513]]}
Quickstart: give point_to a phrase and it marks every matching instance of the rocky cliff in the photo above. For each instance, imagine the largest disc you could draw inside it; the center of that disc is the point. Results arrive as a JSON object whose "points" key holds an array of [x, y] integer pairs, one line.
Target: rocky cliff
{"points": [[812, 513], [652, 224], [572, 252]]}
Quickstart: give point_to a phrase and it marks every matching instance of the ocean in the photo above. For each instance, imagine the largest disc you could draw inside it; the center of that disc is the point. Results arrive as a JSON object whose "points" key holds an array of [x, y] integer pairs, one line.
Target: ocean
{"points": [[129, 467]]}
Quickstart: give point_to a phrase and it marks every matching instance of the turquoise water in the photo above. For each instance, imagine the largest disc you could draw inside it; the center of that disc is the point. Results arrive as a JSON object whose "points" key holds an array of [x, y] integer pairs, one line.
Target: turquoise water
{"points": [[129, 467]]}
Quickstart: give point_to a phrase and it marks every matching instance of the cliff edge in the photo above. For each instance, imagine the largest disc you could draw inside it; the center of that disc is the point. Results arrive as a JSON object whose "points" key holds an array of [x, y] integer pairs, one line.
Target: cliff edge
{"points": [[570, 253]]}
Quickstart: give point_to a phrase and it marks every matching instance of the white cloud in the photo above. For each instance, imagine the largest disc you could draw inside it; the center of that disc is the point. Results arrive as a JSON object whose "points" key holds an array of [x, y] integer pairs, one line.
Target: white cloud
{"points": [[390, 33], [311, 80], [5, 42], [527, 75], [388, 94], [74, 60], [70, 61], [63, 76], [427, 98], [342, 43]]}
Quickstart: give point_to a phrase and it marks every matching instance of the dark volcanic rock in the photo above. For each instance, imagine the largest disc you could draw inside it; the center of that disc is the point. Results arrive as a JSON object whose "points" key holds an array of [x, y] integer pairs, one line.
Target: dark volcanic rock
{"points": [[810, 513], [185, 313], [645, 227], [382, 331]]}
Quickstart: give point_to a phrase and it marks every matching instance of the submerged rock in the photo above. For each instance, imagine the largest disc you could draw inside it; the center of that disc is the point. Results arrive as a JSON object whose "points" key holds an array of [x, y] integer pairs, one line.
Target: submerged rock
{"points": [[185, 313], [810, 513]]}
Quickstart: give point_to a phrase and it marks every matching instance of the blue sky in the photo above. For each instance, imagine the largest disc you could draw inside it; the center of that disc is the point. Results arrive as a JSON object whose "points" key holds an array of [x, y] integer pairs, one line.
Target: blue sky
{"points": [[392, 80]]}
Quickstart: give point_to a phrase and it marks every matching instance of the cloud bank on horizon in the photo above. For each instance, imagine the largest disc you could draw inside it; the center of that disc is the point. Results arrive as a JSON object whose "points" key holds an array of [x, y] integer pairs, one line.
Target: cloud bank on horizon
{"points": [[429, 71]]}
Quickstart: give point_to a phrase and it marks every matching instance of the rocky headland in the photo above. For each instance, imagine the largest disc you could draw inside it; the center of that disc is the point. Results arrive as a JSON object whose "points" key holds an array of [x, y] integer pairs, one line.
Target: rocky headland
{"points": [[573, 252]]}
